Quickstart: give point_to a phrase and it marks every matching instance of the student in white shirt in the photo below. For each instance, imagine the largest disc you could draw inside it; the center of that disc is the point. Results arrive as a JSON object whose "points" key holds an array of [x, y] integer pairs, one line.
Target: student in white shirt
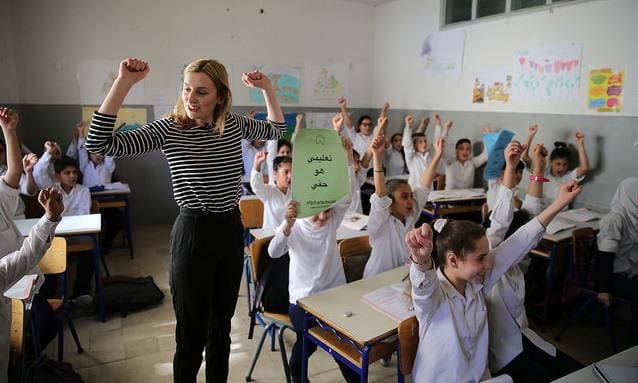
{"points": [[450, 302], [415, 147], [494, 184], [96, 169], [275, 197], [460, 169], [14, 265], [394, 156], [394, 210], [43, 172], [27, 182], [315, 264], [362, 135]]}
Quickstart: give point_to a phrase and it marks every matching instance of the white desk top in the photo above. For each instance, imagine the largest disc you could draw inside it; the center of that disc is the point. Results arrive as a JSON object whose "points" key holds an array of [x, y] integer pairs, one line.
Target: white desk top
{"points": [[567, 233], [627, 358], [366, 325], [458, 195], [71, 225], [120, 189], [342, 233]]}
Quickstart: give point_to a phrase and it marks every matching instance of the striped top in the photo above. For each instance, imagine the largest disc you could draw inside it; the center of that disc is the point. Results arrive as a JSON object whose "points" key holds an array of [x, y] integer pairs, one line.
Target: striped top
{"points": [[205, 168]]}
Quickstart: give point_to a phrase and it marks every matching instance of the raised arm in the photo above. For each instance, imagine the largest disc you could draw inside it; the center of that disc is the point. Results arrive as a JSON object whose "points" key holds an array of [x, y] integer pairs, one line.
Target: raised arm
{"points": [[344, 112], [532, 203], [428, 176], [377, 146], [279, 244], [503, 210], [256, 79], [298, 123], [257, 179], [583, 161], [531, 132], [426, 294], [406, 140], [423, 125], [9, 121], [384, 109], [28, 162]]}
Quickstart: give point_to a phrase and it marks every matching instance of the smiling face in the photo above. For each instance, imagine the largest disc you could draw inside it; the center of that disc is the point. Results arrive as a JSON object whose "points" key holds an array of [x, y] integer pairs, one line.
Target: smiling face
{"points": [[420, 144], [475, 263], [199, 96], [463, 151], [366, 126], [402, 202]]}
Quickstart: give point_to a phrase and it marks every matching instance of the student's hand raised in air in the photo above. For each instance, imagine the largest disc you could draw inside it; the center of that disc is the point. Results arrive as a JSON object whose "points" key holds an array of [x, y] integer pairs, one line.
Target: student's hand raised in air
{"points": [[384, 109], [337, 122], [78, 131], [409, 119], [448, 126], [532, 129], [256, 79], [419, 243], [260, 158], [439, 145], [51, 147], [567, 193], [342, 103], [539, 159], [51, 200], [580, 138], [378, 145], [133, 70], [290, 216], [299, 118], [28, 162], [437, 119], [513, 153], [251, 113], [9, 119]]}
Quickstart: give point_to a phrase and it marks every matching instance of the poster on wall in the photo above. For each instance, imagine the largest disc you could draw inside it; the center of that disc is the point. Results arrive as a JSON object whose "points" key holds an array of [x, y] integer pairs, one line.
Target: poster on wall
{"points": [[95, 78], [319, 120], [285, 79], [328, 82], [442, 53], [128, 118], [491, 87], [605, 90], [547, 74]]}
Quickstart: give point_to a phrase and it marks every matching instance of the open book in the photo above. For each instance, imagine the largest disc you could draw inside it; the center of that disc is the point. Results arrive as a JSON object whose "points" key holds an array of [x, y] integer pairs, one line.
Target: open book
{"points": [[394, 301], [559, 224], [578, 215], [23, 288]]}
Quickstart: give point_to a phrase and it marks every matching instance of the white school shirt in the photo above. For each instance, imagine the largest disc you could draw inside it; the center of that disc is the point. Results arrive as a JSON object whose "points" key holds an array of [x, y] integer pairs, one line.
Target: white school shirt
{"points": [[506, 301], [20, 207], [13, 266], [417, 162], [43, 172], [360, 141], [387, 233], [394, 163], [271, 149], [492, 192], [248, 155], [453, 329], [10, 237], [94, 175], [461, 175], [274, 200], [360, 179], [77, 201], [315, 263], [550, 189]]}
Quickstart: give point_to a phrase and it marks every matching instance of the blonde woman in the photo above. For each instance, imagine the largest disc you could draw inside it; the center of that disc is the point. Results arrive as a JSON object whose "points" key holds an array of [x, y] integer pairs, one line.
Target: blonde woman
{"points": [[201, 140]]}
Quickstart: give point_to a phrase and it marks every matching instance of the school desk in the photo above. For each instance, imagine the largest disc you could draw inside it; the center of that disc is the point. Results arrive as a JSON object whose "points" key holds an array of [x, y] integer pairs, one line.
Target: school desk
{"points": [[352, 331], [117, 198], [88, 225], [448, 202], [627, 358]]}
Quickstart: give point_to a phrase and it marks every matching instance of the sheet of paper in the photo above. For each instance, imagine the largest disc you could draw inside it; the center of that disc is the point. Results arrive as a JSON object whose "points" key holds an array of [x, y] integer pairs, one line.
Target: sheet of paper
{"points": [[394, 301]]}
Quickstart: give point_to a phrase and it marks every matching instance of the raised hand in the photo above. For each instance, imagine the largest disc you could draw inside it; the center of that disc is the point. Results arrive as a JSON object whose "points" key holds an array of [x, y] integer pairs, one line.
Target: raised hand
{"points": [[532, 129], [378, 145], [51, 200], [580, 138], [448, 126], [256, 79], [419, 243], [342, 103], [513, 154], [251, 113], [437, 119], [337, 121], [539, 158], [133, 70], [9, 119], [439, 145], [290, 214], [409, 119], [51, 147], [567, 193], [260, 158], [384, 108], [299, 118], [78, 131], [28, 162]]}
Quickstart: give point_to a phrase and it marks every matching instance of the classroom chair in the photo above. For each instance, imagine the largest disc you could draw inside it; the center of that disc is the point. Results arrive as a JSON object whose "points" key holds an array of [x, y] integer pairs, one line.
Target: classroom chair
{"points": [[408, 333], [484, 214], [16, 336], [252, 216], [582, 283], [440, 182], [274, 323], [354, 256], [54, 263]]}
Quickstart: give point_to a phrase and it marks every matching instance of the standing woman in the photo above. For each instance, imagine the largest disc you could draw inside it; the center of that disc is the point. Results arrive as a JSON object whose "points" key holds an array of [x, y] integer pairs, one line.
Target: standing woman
{"points": [[201, 140]]}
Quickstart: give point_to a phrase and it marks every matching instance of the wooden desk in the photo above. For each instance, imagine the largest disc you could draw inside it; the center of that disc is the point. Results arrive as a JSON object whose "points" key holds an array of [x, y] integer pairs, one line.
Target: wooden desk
{"points": [[463, 201], [627, 358], [355, 340], [117, 198], [342, 233], [72, 226]]}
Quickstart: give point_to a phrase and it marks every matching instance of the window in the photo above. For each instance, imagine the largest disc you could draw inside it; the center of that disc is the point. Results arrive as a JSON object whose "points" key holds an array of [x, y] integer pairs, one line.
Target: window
{"points": [[456, 11]]}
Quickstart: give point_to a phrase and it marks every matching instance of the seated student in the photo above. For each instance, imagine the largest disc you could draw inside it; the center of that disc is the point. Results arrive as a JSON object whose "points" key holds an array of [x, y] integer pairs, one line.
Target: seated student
{"points": [[362, 135], [43, 172], [618, 247], [394, 156], [415, 146], [77, 200], [275, 197], [450, 301], [460, 169], [97, 170], [394, 210], [494, 184], [315, 264], [249, 149], [27, 183], [360, 171], [15, 265]]}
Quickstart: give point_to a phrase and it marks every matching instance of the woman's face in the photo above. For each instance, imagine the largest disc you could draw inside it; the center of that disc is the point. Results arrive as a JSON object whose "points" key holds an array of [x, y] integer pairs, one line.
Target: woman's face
{"points": [[200, 97]]}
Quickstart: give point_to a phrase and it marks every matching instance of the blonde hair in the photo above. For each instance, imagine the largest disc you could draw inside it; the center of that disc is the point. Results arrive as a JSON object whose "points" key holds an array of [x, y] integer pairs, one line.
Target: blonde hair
{"points": [[217, 73]]}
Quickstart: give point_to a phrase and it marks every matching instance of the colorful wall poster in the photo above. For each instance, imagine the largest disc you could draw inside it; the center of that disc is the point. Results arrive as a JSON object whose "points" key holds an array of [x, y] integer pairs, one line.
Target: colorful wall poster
{"points": [[289, 118], [319, 171], [605, 90], [491, 87], [128, 118], [328, 82], [495, 144], [547, 73], [95, 78], [442, 52], [285, 79]]}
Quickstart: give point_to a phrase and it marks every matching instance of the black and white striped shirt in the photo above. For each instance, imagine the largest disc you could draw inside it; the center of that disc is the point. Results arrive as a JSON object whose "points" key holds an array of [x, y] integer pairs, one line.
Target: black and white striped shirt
{"points": [[205, 168]]}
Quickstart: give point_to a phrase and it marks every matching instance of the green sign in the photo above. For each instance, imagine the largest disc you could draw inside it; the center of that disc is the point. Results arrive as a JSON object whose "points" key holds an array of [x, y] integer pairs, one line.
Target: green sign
{"points": [[319, 171]]}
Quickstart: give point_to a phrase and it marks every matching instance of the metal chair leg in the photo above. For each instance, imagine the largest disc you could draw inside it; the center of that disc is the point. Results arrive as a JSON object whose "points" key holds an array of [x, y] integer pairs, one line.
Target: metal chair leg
{"points": [[258, 351], [282, 351]]}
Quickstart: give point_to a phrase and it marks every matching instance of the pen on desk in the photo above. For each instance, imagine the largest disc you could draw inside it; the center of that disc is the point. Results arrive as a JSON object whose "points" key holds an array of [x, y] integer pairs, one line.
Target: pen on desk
{"points": [[405, 277]]}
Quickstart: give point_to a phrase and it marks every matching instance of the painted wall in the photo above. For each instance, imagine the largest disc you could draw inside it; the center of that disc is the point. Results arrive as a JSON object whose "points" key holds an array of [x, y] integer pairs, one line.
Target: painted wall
{"points": [[9, 92]]}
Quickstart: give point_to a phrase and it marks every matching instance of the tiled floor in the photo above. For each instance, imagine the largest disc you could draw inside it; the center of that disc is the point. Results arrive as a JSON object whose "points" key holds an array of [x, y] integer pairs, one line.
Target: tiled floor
{"points": [[139, 347]]}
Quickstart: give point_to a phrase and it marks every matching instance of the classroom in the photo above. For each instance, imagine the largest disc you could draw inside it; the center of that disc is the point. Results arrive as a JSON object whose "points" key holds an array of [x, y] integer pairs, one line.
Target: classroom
{"points": [[487, 65]]}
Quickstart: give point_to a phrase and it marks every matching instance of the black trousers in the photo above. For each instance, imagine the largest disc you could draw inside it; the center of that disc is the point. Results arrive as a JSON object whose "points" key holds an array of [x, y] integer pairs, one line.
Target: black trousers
{"points": [[205, 274]]}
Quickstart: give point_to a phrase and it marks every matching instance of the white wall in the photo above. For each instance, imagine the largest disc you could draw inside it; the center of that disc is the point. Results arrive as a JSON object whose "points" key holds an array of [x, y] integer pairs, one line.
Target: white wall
{"points": [[9, 82], [170, 34], [606, 29]]}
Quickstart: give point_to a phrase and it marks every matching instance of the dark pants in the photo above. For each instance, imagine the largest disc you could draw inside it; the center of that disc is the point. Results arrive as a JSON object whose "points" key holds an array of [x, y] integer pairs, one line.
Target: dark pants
{"points": [[297, 318], [206, 267]]}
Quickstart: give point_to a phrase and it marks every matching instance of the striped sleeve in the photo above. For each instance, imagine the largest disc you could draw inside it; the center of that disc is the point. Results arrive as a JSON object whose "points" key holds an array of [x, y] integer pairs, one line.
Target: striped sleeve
{"points": [[101, 139], [252, 129]]}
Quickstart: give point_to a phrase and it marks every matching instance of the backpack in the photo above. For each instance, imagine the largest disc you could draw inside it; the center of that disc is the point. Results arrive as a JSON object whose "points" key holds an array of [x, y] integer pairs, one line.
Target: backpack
{"points": [[123, 294], [45, 370], [274, 282]]}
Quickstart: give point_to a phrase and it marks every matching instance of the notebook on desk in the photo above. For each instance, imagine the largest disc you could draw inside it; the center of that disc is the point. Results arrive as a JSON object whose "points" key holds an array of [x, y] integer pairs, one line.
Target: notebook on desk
{"points": [[608, 373], [355, 221], [558, 224], [578, 215], [394, 301]]}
